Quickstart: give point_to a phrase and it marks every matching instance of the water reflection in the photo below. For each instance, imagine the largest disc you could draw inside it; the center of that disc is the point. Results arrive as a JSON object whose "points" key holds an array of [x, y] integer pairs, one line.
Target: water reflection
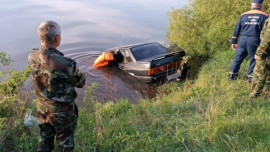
{"points": [[104, 22], [120, 84]]}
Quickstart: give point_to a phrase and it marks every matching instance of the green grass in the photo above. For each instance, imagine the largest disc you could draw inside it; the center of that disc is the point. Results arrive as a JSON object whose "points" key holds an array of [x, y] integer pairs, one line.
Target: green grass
{"points": [[209, 113]]}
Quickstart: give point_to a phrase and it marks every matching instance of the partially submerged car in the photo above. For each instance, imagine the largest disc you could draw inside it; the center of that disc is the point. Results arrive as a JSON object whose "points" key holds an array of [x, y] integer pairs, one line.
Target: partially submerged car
{"points": [[151, 62]]}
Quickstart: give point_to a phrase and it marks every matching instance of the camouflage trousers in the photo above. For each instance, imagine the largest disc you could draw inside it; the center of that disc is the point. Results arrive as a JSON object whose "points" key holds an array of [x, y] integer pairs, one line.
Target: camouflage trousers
{"points": [[58, 121], [261, 78]]}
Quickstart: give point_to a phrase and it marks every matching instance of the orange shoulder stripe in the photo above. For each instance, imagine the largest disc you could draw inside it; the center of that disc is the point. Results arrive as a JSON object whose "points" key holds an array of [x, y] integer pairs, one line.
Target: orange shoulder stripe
{"points": [[255, 12]]}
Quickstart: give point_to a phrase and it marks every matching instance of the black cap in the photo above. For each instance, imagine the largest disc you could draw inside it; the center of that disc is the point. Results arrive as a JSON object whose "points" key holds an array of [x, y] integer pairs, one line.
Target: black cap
{"points": [[257, 1]]}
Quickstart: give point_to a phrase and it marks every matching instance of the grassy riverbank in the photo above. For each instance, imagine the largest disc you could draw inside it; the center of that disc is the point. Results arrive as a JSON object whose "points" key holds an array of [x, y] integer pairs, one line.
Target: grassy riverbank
{"points": [[207, 114]]}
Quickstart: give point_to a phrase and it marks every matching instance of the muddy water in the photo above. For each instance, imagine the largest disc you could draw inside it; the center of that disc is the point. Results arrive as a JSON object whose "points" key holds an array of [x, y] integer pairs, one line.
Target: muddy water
{"points": [[88, 27], [113, 82]]}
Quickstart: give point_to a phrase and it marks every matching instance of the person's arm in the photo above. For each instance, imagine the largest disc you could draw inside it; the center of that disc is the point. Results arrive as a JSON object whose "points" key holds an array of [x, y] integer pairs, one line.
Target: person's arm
{"points": [[74, 76], [34, 67], [262, 51], [236, 33]]}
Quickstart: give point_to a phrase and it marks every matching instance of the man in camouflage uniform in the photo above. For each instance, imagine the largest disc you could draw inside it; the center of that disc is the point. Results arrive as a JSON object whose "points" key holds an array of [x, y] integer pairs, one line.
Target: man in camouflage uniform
{"points": [[55, 77], [261, 75]]}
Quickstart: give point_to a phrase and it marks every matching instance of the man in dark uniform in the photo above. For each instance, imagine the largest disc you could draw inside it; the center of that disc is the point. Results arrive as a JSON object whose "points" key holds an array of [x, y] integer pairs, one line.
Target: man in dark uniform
{"points": [[247, 29], [55, 77]]}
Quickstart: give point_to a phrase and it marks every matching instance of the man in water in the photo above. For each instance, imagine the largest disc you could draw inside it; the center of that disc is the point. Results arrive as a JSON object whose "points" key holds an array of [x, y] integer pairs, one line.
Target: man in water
{"points": [[108, 59], [248, 29], [55, 77]]}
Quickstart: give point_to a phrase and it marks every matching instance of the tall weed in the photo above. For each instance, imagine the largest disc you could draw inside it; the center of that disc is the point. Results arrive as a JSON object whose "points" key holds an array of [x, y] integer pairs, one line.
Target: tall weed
{"points": [[14, 103]]}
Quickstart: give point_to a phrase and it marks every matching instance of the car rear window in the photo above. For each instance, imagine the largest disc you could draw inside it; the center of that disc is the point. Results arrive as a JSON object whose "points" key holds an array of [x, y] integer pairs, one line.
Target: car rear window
{"points": [[148, 50]]}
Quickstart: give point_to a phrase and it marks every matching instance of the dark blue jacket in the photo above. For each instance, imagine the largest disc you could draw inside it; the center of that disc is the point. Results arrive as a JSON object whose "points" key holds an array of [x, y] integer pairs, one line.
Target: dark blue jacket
{"points": [[250, 24]]}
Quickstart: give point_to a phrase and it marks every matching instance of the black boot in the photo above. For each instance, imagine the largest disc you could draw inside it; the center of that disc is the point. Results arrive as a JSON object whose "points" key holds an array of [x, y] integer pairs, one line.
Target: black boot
{"points": [[233, 76], [249, 78]]}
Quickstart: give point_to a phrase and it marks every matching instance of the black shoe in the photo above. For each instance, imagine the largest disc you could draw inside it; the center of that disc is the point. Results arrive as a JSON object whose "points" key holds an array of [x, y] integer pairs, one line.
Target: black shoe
{"points": [[233, 76], [249, 78]]}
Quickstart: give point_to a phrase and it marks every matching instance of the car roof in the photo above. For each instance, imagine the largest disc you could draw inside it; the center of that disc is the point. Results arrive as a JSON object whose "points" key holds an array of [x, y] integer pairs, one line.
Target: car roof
{"points": [[131, 46]]}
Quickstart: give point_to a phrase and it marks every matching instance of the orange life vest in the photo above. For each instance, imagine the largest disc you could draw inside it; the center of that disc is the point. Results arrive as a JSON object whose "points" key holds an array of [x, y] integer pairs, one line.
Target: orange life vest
{"points": [[103, 60]]}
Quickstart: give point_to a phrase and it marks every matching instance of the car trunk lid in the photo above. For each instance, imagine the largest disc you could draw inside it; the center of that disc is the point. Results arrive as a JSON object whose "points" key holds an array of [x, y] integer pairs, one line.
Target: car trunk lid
{"points": [[166, 62]]}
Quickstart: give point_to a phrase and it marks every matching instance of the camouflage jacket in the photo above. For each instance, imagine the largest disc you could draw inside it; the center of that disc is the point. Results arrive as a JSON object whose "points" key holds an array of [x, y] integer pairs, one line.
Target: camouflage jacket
{"points": [[54, 75], [264, 48]]}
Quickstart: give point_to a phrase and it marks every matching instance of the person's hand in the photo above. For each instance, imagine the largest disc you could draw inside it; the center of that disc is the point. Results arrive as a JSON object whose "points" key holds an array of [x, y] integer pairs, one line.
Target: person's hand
{"points": [[234, 46], [256, 57]]}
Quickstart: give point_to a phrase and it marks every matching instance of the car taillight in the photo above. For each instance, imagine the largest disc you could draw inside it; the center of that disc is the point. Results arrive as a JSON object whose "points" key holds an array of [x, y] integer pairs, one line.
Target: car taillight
{"points": [[164, 68]]}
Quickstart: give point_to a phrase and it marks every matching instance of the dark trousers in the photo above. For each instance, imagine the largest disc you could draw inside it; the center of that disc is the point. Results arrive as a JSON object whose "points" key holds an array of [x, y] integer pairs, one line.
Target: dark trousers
{"points": [[57, 121], [246, 46]]}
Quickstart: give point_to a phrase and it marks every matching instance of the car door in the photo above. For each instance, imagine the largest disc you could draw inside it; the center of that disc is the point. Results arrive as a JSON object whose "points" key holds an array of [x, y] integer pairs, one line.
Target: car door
{"points": [[128, 65], [131, 66]]}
